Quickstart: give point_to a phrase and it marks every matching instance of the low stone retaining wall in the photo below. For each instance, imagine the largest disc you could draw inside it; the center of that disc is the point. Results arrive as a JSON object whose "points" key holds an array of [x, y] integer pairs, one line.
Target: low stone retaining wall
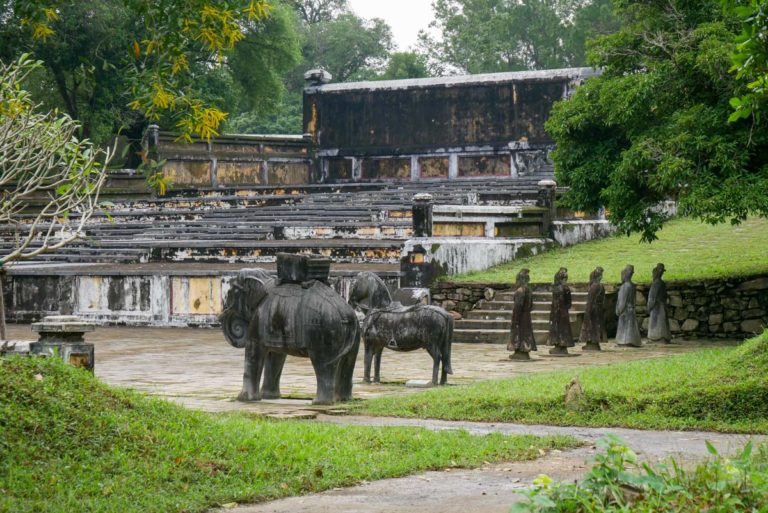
{"points": [[575, 231], [722, 308], [718, 308], [162, 298]]}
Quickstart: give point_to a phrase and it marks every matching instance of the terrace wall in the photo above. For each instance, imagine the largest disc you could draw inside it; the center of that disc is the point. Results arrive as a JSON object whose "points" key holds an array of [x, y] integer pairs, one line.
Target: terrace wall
{"points": [[733, 308]]}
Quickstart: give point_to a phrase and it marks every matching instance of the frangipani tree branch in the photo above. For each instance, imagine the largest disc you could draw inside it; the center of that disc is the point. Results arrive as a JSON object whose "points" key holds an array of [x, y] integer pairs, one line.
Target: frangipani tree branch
{"points": [[49, 180]]}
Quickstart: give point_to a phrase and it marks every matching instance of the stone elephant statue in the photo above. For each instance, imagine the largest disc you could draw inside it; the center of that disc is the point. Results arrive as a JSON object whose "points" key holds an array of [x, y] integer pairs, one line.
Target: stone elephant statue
{"points": [[272, 320]]}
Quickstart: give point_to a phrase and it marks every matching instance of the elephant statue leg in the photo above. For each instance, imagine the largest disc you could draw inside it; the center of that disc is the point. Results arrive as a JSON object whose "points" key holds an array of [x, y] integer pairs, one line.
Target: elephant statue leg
{"points": [[377, 365], [369, 350], [254, 363], [325, 373], [344, 373], [273, 368]]}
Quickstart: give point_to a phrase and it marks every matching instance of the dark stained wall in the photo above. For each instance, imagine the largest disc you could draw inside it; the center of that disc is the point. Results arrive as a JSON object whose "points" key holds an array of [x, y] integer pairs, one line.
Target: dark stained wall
{"points": [[395, 118]]}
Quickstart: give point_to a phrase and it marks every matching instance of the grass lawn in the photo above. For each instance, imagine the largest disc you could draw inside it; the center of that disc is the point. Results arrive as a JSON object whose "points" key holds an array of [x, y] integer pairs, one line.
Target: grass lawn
{"points": [[724, 389], [69, 443], [689, 249]]}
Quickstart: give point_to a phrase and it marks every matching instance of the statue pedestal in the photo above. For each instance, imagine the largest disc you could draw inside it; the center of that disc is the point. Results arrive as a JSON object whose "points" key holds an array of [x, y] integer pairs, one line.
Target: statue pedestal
{"points": [[62, 336], [561, 352], [520, 356], [418, 383]]}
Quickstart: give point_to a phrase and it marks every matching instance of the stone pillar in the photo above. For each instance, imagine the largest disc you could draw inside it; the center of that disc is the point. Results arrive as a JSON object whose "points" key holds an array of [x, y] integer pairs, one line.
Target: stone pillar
{"points": [[62, 335], [422, 215], [153, 140], [546, 198]]}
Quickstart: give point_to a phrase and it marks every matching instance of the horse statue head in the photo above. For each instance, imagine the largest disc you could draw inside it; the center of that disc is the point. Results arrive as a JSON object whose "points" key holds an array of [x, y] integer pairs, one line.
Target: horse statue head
{"points": [[247, 290], [369, 293]]}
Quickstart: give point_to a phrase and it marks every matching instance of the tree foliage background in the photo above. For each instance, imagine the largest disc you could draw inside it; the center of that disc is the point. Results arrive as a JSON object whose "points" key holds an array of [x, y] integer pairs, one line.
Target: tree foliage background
{"points": [[485, 36], [654, 125], [117, 64]]}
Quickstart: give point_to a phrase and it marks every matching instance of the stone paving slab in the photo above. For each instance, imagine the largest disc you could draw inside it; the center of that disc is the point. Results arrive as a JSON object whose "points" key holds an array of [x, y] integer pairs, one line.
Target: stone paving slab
{"points": [[199, 369]]}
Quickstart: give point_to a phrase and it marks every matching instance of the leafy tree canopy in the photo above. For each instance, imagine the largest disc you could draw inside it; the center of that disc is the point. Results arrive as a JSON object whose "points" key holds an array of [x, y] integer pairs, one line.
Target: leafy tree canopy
{"points": [[482, 36], [333, 38], [750, 60], [654, 125], [174, 61], [405, 65]]}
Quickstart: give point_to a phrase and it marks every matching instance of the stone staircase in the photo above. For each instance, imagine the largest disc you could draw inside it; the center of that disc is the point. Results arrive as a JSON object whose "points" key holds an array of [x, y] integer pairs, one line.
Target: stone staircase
{"points": [[490, 321]]}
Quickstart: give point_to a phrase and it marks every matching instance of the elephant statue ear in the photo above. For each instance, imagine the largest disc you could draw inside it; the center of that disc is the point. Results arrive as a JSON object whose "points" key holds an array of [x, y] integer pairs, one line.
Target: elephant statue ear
{"points": [[235, 328]]}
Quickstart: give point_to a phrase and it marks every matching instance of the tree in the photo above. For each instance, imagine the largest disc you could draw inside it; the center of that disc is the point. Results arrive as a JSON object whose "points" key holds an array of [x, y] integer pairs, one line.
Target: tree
{"points": [[653, 126], [313, 12], [166, 45], [750, 61], [405, 65], [333, 38], [482, 36], [349, 47], [42, 163]]}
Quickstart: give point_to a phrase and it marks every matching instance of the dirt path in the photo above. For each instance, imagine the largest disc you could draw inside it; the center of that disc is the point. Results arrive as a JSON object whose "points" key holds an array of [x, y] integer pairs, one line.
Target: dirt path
{"points": [[492, 488]]}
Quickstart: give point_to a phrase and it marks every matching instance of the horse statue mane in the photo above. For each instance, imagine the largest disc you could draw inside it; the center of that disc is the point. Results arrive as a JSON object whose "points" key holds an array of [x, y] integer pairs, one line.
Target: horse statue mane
{"points": [[369, 292]]}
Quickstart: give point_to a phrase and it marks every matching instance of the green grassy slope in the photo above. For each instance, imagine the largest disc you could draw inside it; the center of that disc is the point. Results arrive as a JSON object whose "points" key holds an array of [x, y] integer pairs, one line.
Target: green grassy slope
{"points": [[689, 249], [68, 443], [724, 389]]}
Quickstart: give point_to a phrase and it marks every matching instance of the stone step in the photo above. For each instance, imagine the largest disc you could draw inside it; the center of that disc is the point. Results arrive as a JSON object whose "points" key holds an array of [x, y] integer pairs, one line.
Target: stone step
{"points": [[543, 315], [497, 305], [538, 295], [489, 314], [481, 336], [482, 324]]}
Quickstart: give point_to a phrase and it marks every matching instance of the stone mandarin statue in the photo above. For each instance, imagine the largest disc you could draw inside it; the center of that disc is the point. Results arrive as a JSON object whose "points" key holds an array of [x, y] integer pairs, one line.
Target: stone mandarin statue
{"points": [[658, 326], [628, 332], [522, 342], [560, 335], [592, 331]]}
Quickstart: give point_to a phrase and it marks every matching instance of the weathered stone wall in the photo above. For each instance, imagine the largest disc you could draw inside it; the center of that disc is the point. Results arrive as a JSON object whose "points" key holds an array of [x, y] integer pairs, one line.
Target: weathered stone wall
{"points": [[231, 161], [723, 308], [132, 299], [462, 297], [575, 231], [467, 127], [719, 308]]}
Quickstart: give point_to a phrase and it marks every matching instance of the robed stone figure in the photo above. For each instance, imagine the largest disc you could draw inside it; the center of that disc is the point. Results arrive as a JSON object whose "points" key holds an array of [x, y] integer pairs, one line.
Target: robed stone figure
{"points": [[658, 325], [522, 342], [592, 331], [559, 318], [627, 332]]}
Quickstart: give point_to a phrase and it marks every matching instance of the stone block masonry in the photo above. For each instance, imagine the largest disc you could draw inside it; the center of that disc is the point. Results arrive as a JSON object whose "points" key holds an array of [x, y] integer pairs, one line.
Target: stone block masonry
{"points": [[718, 308], [734, 308]]}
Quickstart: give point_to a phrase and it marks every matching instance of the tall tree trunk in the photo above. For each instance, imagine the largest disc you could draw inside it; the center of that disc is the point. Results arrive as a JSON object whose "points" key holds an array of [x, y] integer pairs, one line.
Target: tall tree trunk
{"points": [[2, 306]]}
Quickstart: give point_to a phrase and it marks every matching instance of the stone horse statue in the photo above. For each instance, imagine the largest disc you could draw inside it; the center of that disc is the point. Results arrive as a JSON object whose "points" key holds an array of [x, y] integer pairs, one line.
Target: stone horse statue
{"points": [[272, 320], [390, 324]]}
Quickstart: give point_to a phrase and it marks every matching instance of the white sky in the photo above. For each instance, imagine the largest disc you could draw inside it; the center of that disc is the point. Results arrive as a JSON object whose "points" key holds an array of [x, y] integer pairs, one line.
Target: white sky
{"points": [[406, 17]]}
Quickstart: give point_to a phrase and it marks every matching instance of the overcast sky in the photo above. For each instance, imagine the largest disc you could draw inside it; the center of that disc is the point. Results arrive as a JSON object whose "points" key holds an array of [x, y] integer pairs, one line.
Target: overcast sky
{"points": [[406, 17]]}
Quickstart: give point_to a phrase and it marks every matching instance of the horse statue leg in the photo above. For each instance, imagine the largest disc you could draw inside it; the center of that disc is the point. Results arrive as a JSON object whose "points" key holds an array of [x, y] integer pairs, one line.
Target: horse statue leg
{"points": [[377, 365], [367, 361]]}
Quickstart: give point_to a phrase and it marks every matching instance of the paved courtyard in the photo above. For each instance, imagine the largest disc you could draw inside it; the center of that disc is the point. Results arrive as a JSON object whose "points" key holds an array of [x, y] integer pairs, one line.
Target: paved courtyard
{"points": [[199, 369]]}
